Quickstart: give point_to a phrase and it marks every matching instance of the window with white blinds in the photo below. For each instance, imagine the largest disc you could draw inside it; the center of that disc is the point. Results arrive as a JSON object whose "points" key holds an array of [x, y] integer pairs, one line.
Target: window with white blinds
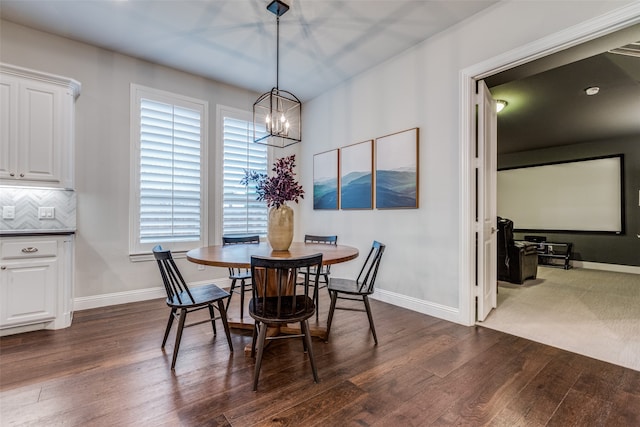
{"points": [[241, 212], [170, 196]]}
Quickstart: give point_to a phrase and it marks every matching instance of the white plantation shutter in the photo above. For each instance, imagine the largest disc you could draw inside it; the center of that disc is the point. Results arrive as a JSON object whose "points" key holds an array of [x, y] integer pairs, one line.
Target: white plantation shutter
{"points": [[241, 212], [169, 173], [170, 196]]}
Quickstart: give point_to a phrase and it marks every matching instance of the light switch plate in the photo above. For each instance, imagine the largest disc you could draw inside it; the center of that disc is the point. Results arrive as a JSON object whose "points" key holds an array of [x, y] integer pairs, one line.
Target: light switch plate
{"points": [[46, 213], [8, 212]]}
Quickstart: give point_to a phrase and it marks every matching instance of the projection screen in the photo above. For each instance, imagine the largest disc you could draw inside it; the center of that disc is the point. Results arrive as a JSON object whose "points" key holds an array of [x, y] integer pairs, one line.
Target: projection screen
{"points": [[581, 195]]}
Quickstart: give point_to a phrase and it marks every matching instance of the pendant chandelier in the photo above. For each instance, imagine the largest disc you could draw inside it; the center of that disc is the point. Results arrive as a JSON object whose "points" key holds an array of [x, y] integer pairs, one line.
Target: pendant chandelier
{"points": [[276, 114]]}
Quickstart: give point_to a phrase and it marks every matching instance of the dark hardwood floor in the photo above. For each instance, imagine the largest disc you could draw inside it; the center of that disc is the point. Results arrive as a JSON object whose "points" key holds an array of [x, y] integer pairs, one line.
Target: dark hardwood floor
{"points": [[107, 369]]}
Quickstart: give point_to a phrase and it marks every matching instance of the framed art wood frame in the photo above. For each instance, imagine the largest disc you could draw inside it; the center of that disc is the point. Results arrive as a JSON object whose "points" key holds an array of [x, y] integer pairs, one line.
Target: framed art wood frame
{"points": [[397, 170], [356, 176], [325, 180]]}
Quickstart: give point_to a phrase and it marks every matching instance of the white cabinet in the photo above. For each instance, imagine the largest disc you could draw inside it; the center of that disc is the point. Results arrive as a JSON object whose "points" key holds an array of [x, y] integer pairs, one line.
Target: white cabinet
{"points": [[36, 283], [36, 128]]}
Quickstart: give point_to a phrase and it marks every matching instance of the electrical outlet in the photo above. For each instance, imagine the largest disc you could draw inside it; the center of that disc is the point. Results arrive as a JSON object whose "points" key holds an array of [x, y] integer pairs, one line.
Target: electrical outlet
{"points": [[8, 212], [200, 267], [46, 213]]}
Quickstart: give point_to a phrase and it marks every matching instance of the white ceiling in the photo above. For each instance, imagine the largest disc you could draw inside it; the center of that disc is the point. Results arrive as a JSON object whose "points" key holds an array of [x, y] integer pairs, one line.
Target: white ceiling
{"points": [[325, 42], [322, 42]]}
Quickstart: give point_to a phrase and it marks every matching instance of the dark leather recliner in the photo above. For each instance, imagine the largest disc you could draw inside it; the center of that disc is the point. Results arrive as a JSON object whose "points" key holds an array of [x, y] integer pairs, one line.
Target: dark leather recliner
{"points": [[517, 261]]}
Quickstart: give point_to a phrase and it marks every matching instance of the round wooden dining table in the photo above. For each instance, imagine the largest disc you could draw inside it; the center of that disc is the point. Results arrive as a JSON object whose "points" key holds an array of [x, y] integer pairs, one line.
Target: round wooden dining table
{"points": [[239, 256]]}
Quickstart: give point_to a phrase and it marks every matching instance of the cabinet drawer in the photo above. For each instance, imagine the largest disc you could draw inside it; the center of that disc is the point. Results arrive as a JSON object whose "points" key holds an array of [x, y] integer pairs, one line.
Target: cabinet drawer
{"points": [[29, 249]]}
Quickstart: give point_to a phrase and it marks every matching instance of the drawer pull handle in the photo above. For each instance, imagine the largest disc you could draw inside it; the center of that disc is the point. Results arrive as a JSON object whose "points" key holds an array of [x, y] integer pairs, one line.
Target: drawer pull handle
{"points": [[29, 250]]}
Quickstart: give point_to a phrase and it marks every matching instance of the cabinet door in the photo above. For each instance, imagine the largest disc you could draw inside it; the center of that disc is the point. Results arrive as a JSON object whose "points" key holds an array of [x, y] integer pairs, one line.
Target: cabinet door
{"points": [[8, 127], [40, 132], [36, 128], [27, 292]]}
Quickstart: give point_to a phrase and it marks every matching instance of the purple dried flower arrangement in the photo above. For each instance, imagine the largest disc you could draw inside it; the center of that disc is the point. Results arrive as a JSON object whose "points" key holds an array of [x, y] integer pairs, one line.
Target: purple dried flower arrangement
{"points": [[279, 188]]}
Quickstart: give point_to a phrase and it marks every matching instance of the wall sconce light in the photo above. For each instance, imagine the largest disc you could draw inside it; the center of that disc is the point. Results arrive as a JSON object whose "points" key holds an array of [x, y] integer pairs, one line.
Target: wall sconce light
{"points": [[500, 104]]}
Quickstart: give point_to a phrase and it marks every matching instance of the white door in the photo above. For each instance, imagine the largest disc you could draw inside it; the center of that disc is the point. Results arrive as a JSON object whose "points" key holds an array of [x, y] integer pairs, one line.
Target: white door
{"points": [[486, 273]]}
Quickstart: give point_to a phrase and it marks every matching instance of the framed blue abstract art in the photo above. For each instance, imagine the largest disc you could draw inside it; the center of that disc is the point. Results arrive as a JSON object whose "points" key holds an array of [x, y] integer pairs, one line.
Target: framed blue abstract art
{"points": [[356, 176], [325, 180], [397, 170]]}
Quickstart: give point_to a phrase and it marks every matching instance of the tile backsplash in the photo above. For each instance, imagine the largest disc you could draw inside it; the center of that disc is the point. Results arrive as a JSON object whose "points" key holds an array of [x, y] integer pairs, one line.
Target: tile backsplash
{"points": [[26, 202]]}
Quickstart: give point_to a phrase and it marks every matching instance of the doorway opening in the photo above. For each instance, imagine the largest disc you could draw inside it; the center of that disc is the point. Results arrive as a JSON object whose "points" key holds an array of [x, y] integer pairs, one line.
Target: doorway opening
{"points": [[608, 28], [598, 30]]}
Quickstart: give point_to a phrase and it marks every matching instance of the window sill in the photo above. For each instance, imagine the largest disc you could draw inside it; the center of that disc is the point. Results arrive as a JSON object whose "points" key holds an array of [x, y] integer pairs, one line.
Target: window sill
{"points": [[149, 256]]}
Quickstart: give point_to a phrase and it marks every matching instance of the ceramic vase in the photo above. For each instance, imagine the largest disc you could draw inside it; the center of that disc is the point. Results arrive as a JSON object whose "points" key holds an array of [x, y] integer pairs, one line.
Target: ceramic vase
{"points": [[280, 230]]}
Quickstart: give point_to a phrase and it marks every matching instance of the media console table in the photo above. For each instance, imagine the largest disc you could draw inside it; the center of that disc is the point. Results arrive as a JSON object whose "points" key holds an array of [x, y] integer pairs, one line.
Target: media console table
{"points": [[550, 251]]}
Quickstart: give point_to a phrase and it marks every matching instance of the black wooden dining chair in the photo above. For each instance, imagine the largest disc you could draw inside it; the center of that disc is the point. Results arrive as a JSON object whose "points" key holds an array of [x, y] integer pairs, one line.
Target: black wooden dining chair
{"points": [[323, 280], [278, 301], [357, 290], [183, 300], [241, 274]]}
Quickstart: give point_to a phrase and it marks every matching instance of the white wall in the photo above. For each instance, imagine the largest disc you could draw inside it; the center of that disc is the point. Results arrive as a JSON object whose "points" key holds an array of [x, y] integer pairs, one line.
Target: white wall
{"points": [[103, 150], [421, 88]]}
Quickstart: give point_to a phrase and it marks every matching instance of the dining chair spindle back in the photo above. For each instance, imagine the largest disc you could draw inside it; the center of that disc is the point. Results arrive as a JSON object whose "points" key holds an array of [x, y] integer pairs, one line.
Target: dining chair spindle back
{"points": [[183, 300], [323, 280], [239, 274], [357, 290], [277, 300]]}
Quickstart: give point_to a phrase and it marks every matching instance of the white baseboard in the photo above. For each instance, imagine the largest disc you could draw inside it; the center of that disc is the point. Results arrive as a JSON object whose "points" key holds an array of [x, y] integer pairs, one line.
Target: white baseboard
{"points": [[440, 311], [25, 328], [105, 300], [425, 307], [606, 267]]}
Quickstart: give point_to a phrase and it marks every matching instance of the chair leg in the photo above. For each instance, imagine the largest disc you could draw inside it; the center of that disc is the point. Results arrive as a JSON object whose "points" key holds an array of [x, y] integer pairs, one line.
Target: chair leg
{"points": [[212, 315], [169, 323], [225, 323], [254, 338], [304, 326], [242, 284], [261, 339], [304, 341], [373, 328], [334, 299], [326, 280], [176, 347], [233, 286], [316, 297]]}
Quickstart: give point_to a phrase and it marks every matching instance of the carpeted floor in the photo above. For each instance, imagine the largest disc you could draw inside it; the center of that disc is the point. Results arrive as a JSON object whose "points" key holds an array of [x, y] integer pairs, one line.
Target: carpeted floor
{"points": [[591, 312]]}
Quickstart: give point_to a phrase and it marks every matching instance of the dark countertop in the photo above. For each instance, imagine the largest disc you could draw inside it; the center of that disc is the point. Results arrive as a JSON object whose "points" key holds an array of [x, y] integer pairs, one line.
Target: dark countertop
{"points": [[27, 233]]}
